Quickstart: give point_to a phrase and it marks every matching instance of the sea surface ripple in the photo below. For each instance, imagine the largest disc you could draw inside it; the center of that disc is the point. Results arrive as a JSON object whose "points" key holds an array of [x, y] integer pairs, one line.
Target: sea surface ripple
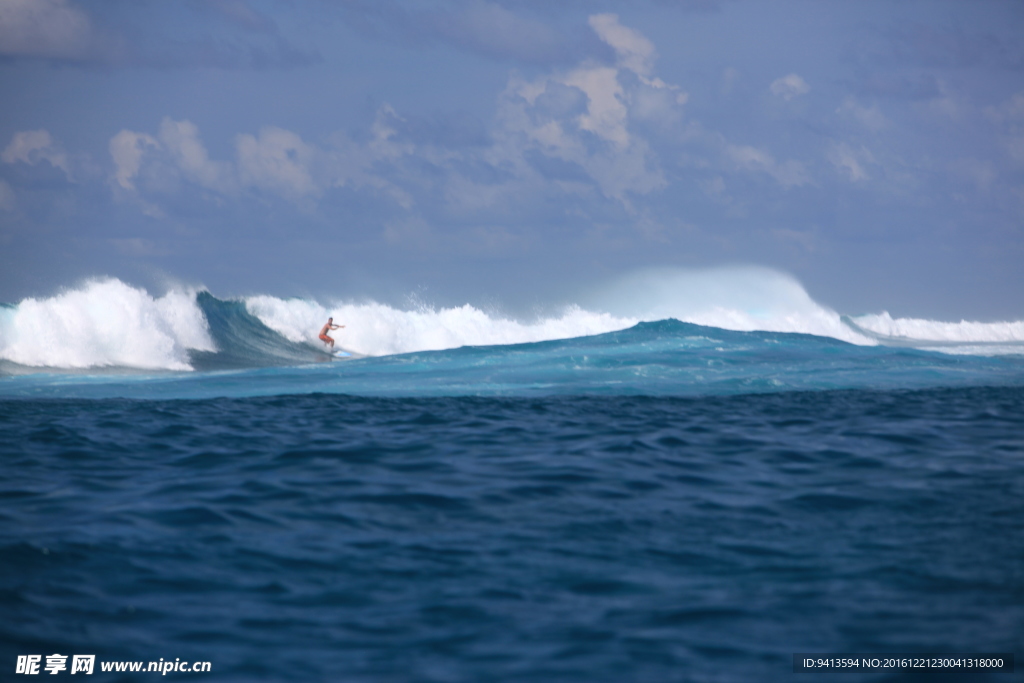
{"points": [[325, 537]]}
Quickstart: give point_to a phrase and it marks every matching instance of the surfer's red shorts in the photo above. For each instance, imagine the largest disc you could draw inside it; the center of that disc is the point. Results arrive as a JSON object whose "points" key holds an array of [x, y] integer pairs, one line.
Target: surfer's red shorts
{"points": [[325, 337]]}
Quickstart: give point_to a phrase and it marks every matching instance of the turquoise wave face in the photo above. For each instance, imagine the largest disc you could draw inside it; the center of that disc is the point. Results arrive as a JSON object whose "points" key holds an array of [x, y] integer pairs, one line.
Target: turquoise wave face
{"points": [[242, 341], [666, 358]]}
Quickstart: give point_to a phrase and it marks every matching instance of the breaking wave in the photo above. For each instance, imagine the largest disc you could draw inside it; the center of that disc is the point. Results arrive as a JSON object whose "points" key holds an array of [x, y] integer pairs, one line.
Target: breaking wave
{"points": [[108, 323], [105, 323]]}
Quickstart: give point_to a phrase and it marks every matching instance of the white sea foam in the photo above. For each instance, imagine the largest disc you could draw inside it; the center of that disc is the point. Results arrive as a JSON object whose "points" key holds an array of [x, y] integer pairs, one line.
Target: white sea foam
{"points": [[742, 298], [105, 323], [376, 329], [737, 298], [932, 330], [733, 298], [109, 323]]}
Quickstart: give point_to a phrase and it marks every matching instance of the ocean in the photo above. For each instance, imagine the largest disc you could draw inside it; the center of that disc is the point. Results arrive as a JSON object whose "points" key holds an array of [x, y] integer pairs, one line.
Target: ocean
{"points": [[669, 488]]}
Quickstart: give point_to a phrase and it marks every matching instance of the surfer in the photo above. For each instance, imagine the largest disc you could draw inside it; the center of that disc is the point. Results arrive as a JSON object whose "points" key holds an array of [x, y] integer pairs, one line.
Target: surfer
{"points": [[326, 338]]}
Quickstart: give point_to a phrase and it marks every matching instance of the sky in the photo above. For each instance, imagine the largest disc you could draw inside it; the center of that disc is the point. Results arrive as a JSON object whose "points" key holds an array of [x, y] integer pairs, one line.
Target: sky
{"points": [[516, 153]]}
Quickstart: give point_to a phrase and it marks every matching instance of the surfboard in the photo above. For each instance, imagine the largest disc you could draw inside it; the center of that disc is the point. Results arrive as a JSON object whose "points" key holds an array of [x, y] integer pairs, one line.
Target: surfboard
{"points": [[341, 354]]}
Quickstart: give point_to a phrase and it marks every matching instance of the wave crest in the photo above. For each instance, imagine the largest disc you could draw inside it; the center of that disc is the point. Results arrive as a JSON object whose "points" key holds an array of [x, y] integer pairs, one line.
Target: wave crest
{"points": [[105, 323], [918, 329], [375, 329]]}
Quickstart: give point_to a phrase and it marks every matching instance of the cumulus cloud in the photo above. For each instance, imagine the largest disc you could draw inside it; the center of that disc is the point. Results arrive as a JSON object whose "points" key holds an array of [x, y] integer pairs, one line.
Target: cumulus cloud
{"points": [[126, 149], [34, 146], [788, 174], [181, 140], [568, 130], [385, 143], [44, 28], [583, 116], [789, 87], [634, 51], [578, 132], [606, 111], [533, 118], [849, 161], [176, 151], [278, 160]]}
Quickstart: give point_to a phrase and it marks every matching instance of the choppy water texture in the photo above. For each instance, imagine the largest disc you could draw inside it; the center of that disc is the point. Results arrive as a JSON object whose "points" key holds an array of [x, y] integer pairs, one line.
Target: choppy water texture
{"points": [[559, 538]]}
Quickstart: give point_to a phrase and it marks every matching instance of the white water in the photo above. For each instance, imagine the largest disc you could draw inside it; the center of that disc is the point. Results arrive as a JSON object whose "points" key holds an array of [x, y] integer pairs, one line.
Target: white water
{"points": [[932, 330], [743, 298], [375, 329], [105, 323], [109, 323]]}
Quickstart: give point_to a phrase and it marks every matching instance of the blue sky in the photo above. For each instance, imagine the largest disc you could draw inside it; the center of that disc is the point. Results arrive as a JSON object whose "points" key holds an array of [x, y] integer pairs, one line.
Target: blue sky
{"points": [[516, 153]]}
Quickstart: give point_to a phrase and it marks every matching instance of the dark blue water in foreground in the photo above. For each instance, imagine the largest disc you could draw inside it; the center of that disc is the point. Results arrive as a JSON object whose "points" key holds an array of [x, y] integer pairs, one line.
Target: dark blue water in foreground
{"points": [[562, 537]]}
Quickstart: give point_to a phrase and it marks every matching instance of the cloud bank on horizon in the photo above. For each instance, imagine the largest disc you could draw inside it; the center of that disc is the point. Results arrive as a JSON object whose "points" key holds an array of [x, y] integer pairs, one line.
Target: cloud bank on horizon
{"points": [[511, 148]]}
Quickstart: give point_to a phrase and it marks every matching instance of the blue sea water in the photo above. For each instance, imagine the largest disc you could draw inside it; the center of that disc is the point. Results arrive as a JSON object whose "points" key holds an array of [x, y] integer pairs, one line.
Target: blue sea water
{"points": [[666, 502]]}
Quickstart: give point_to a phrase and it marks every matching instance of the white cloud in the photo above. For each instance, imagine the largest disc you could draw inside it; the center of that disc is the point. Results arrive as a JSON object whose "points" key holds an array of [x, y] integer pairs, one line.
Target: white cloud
{"points": [[44, 28], [597, 141], [660, 104], [789, 87], [275, 160], [278, 160], [384, 143], [126, 149], [578, 119], [33, 146], [606, 111], [869, 117], [850, 161], [634, 51], [788, 174], [581, 131], [7, 197], [181, 140], [544, 116]]}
